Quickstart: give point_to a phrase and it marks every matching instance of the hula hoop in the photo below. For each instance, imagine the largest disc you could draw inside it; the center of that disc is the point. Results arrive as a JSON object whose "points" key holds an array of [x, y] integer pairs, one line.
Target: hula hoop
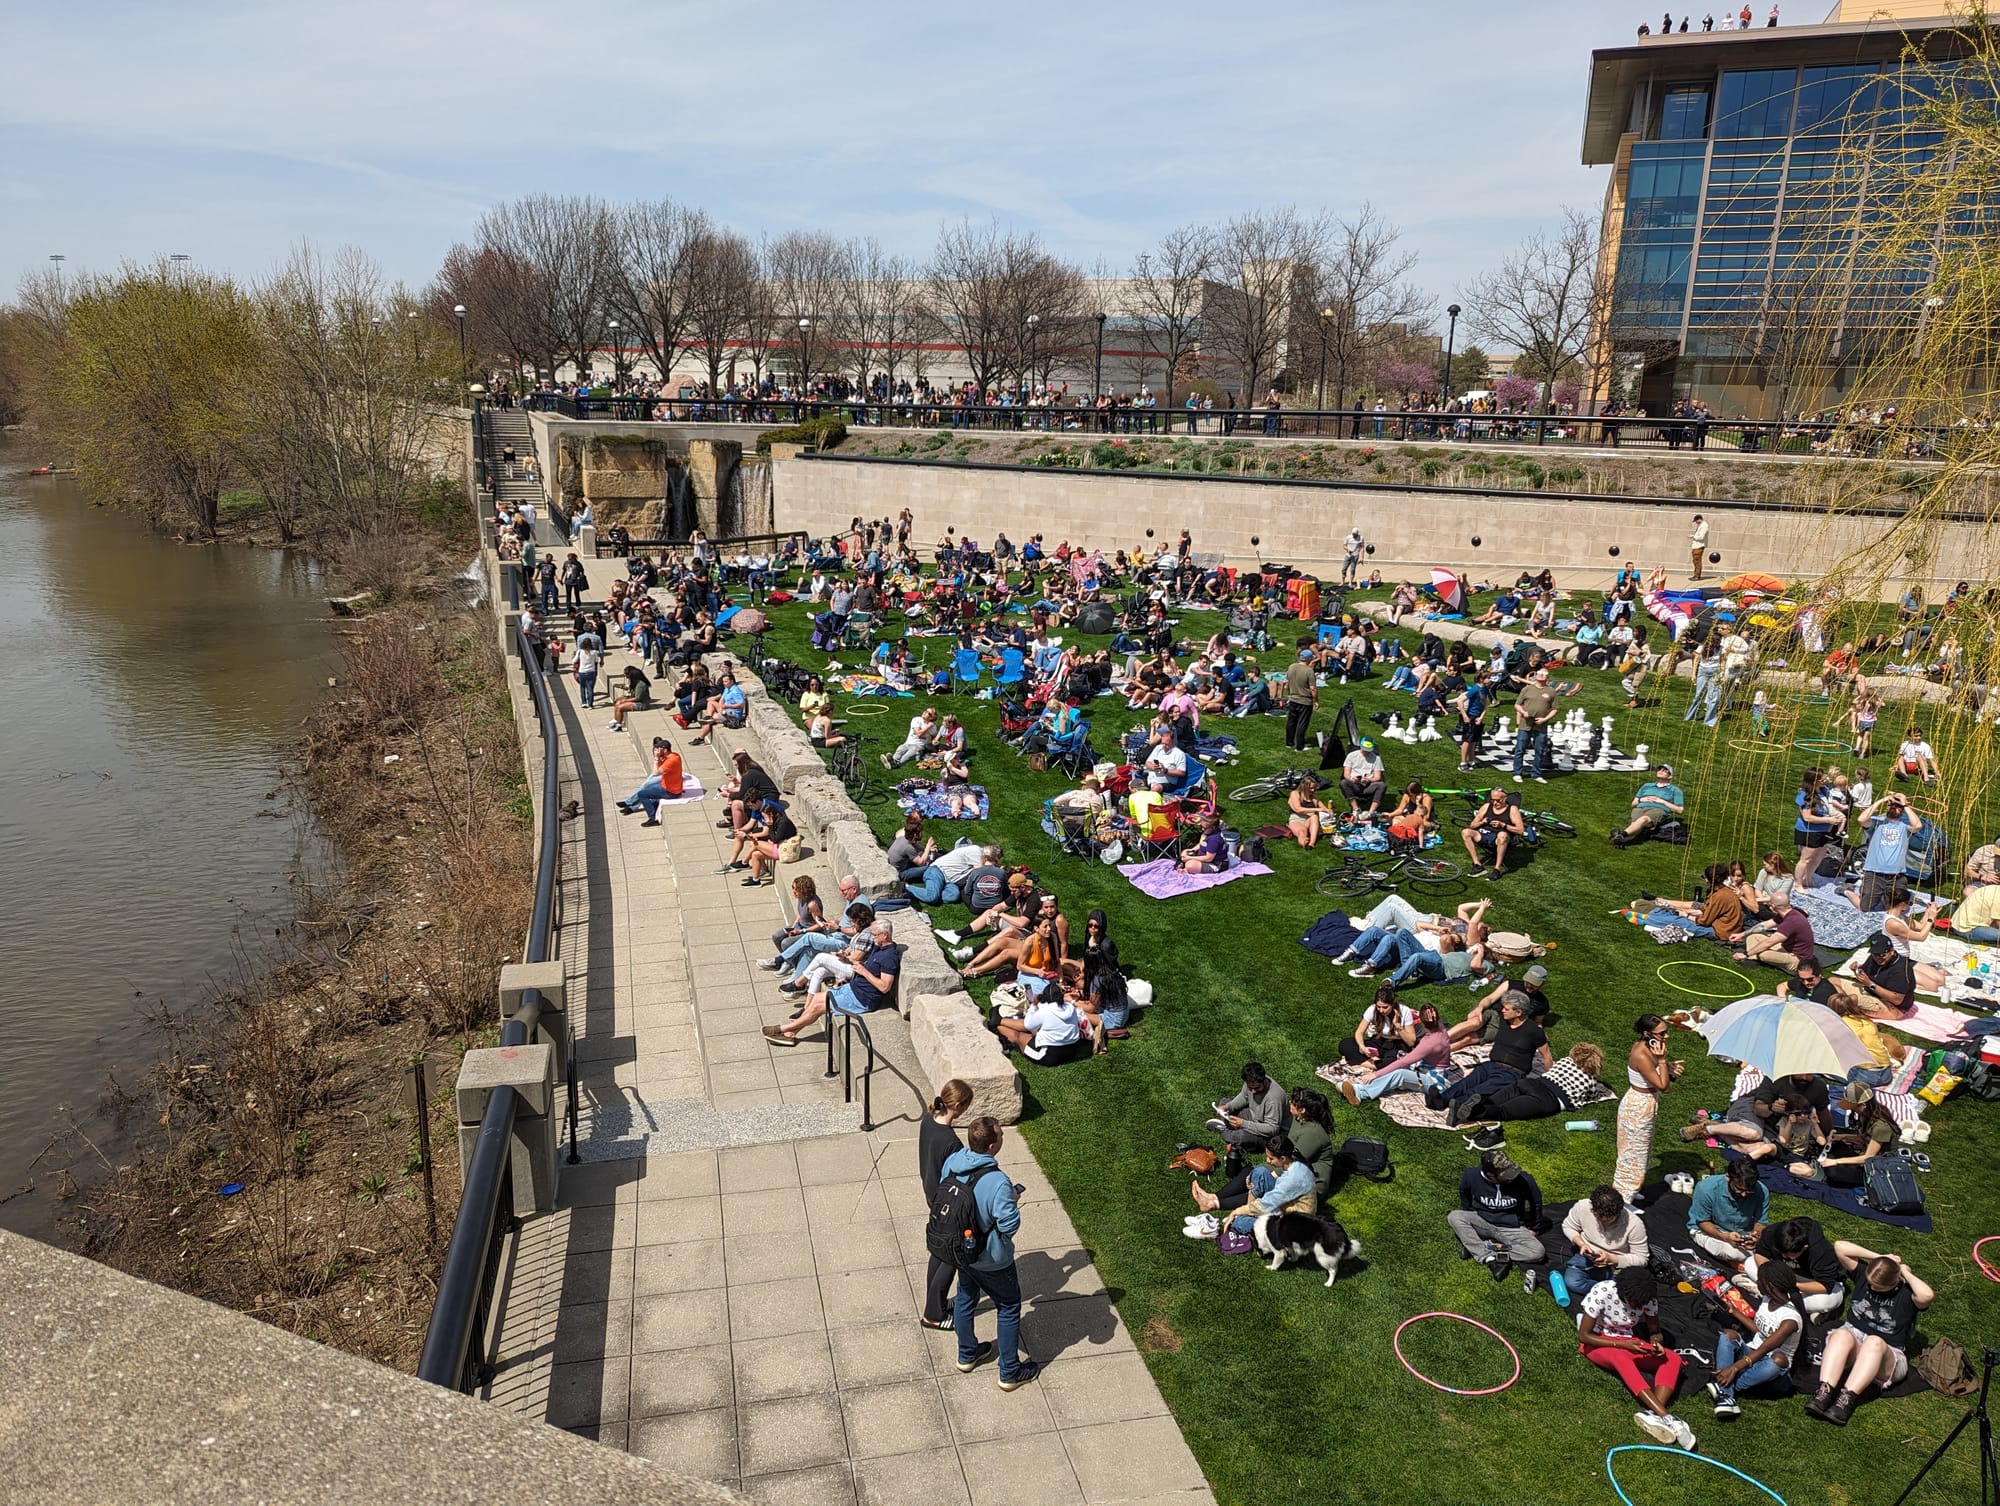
{"points": [[866, 708], [1744, 745], [1822, 745], [1611, 1469], [1749, 988], [1992, 1273], [1396, 1343]]}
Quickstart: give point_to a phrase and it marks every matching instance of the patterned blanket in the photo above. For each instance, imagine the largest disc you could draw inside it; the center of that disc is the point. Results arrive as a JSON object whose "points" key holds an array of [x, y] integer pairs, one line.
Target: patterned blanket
{"points": [[1896, 1097], [928, 800]]}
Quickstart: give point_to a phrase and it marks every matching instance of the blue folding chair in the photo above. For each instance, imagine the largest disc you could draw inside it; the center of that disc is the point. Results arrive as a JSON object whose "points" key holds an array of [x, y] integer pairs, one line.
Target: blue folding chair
{"points": [[966, 669], [1197, 771], [1072, 752], [1012, 670], [1330, 632]]}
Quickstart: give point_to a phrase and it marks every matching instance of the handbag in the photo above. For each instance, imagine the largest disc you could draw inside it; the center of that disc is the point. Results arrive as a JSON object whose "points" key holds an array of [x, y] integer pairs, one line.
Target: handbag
{"points": [[1368, 1158], [791, 849], [1229, 1242]]}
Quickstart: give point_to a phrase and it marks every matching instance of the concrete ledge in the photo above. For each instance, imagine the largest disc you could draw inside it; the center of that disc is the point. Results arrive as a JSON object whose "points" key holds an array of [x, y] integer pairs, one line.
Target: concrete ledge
{"points": [[952, 1041], [851, 848], [143, 1394], [926, 969], [819, 800]]}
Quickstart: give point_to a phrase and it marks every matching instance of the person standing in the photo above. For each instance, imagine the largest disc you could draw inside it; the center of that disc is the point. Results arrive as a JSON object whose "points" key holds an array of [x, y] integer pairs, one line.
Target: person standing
{"points": [[574, 582], [1698, 543], [585, 665], [1648, 1074], [1536, 707], [937, 1143], [992, 1271], [1351, 550], [1301, 697]]}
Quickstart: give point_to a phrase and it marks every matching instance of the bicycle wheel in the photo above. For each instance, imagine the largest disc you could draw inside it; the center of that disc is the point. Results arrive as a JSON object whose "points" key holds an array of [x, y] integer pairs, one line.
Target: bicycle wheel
{"points": [[1435, 872], [1256, 789], [1329, 882], [1553, 826], [1358, 880]]}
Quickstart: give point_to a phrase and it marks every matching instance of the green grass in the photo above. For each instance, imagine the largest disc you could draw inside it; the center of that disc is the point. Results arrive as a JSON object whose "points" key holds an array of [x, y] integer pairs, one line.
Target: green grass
{"points": [[1289, 1392]]}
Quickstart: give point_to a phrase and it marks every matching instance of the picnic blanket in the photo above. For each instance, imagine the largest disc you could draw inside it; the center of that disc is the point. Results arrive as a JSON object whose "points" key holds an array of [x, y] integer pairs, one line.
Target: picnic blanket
{"points": [[928, 800], [1895, 1096], [691, 792], [1837, 925], [853, 684], [1409, 1109], [1846, 1199], [1162, 878]]}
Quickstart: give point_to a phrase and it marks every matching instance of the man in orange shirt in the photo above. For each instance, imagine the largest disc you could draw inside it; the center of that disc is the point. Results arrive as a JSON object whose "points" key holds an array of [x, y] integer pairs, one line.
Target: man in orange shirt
{"points": [[666, 784]]}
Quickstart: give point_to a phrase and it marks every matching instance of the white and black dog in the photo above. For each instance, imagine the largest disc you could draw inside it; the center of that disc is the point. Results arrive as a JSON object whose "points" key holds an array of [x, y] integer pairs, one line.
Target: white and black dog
{"points": [[1294, 1236]]}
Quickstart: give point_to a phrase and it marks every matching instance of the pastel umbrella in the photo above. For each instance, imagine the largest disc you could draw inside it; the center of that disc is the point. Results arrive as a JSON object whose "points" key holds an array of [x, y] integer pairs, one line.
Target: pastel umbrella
{"points": [[1782, 1036], [1450, 589]]}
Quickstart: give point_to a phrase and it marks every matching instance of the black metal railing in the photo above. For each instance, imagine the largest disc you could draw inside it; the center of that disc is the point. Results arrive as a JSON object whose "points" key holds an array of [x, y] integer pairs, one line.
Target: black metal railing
{"points": [[1403, 426], [455, 1347], [736, 544], [849, 1023]]}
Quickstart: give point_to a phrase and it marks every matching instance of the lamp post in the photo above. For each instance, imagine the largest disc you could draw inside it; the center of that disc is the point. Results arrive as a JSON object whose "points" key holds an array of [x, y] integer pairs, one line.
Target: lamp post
{"points": [[1097, 368], [1931, 305], [464, 378], [180, 259], [410, 323], [617, 360], [1319, 392], [805, 359], [1450, 349]]}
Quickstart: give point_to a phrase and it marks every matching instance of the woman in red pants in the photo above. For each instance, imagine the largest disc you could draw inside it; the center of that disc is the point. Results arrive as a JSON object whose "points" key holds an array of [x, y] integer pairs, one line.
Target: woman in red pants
{"points": [[1620, 1332]]}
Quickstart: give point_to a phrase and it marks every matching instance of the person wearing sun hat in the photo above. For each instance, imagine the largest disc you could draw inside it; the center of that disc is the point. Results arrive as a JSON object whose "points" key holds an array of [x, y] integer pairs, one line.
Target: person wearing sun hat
{"points": [[1363, 779]]}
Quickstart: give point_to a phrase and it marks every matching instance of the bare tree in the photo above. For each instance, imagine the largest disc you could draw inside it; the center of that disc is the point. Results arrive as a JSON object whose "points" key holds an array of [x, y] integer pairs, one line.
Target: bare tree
{"points": [[723, 286], [884, 318], [985, 281], [1361, 300], [572, 242], [1169, 286], [805, 274], [1261, 256], [650, 291], [507, 311], [1541, 301]]}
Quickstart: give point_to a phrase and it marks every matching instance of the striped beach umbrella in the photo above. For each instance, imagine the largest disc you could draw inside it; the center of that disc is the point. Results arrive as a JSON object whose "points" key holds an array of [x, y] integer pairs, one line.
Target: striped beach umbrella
{"points": [[1782, 1036]]}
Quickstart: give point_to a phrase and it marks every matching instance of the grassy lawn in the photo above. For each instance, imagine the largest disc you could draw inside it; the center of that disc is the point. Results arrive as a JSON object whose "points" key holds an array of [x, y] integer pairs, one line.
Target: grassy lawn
{"points": [[1289, 1392]]}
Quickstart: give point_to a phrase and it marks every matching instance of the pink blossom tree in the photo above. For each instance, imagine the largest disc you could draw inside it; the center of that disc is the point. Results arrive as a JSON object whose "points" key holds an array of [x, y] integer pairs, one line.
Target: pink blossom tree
{"points": [[1516, 393], [1413, 379]]}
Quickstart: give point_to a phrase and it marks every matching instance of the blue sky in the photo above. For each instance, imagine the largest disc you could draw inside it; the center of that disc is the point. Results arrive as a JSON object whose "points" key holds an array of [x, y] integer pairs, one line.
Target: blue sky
{"points": [[230, 131]]}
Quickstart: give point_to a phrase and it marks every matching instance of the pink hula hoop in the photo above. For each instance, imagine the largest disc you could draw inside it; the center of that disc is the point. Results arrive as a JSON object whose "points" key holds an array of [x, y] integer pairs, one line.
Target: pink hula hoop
{"points": [[1991, 1272], [1396, 1343]]}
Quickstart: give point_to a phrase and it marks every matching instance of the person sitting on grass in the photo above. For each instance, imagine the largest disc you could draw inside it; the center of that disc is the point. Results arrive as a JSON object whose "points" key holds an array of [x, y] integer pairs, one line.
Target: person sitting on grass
{"points": [[1884, 982], [1105, 998], [1010, 943], [1619, 1331], [1415, 815], [1763, 1360], [1015, 909], [938, 883], [1608, 1238], [1283, 1184], [1787, 944], [1718, 916], [1659, 801], [1210, 854], [1518, 1046], [1752, 1123], [875, 964], [1728, 1214], [666, 784], [1409, 1071], [1499, 1209], [1863, 1129], [1053, 1030], [1363, 781], [1482, 1021], [1801, 1245], [1256, 1115], [1497, 824], [1872, 1346], [1308, 812], [923, 731], [1914, 758], [1385, 1031], [1904, 931]]}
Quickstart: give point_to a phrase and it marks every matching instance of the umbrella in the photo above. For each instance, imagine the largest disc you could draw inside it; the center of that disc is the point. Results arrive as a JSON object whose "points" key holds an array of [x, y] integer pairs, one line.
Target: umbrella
{"points": [[1450, 589], [1782, 1036]]}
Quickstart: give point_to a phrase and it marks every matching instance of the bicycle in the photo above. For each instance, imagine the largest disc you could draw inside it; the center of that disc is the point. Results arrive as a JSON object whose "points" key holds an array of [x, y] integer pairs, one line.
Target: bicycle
{"points": [[1271, 785], [850, 763], [1357, 872], [1546, 822]]}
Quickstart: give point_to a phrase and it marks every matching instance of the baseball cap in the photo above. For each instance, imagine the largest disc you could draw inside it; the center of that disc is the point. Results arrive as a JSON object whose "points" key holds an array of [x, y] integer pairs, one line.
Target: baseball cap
{"points": [[1368, 743], [1879, 945], [1537, 975], [1856, 1095], [1305, 653], [1499, 1165]]}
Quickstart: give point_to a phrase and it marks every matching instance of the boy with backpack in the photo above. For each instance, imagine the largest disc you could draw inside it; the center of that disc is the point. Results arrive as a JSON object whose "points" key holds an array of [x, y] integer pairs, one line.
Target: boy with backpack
{"points": [[973, 1219]]}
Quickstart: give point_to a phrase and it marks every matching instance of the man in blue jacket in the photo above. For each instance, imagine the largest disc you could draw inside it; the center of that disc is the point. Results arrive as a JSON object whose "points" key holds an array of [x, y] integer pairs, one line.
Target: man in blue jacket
{"points": [[993, 1272]]}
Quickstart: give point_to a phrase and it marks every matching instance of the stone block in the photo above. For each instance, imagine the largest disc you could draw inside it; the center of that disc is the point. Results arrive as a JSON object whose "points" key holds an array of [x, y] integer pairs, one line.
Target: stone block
{"points": [[516, 978], [820, 800], [788, 757], [528, 1069], [951, 1041], [851, 848], [926, 969], [601, 486]]}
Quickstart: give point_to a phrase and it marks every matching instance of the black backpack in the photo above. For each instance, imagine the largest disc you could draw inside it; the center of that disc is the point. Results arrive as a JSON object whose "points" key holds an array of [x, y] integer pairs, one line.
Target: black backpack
{"points": [[1892, 1186], [1367, 1158], [953, 1234]]}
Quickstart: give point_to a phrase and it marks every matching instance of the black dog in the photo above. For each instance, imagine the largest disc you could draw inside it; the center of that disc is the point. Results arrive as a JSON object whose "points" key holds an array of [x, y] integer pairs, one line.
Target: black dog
{"points": [[1294, 1236]]}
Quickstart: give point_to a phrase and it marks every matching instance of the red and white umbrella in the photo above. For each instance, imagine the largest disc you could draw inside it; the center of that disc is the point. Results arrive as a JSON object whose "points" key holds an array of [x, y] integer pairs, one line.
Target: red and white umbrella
{"points": [[1450, 589]]}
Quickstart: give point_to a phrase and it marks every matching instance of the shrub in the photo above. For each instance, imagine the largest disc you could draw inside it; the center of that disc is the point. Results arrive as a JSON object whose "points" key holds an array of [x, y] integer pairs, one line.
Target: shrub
{"points": [[822, 433]]}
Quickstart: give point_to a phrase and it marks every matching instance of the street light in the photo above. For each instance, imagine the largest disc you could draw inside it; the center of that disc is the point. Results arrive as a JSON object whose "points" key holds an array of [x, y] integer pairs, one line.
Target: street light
{"points": [[1450, 349], [1319, 392], [180, 259], [1033, 320], [464, 378], [56, 259], [617, 359], [1097, 370], [410, 323], [1931, 305]]}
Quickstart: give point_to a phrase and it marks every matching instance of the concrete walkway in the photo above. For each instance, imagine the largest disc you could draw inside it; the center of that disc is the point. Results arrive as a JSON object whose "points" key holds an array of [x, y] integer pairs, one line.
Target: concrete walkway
{"points": [[731, 1282]]}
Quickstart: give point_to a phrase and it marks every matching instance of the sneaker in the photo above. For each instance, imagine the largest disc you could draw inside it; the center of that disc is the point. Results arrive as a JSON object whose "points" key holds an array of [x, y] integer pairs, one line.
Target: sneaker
{"points": [[1363, 971], [650, 821], [1501, 1266], [769, 964], [885, 761], [1344, 958], [1816, 1404], [790, 987], [962, 953], [979, 1357], [1490, 1138], [614, 726], [1727, 1407], [1839, 1409], [1541, 779], [1659, 1429], [1202, 1226], [1347, 1091], [949, 938], [1028, 1370], [1683, 1434], [1517, 779]]}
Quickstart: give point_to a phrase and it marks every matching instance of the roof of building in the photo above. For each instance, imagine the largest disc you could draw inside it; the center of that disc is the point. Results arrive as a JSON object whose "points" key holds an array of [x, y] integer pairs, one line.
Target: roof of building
{"points": [[1617, 72]]}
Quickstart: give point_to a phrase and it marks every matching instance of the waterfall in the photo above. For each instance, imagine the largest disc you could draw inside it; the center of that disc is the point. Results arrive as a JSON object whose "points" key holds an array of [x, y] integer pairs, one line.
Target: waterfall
{"points": [[750, 497], [677, 507]]}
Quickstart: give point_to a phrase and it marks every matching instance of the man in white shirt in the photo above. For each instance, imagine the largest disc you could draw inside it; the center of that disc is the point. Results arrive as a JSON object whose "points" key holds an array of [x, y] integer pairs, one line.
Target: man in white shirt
{"points": [[1351, 550], [1166, 765], [1914, 758], [1698, 543], [923, 728], [1362, 779]]}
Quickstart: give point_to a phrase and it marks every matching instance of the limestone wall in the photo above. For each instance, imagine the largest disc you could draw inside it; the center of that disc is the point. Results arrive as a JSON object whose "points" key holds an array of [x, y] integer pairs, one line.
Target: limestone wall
{"points": [[1302, 523]]}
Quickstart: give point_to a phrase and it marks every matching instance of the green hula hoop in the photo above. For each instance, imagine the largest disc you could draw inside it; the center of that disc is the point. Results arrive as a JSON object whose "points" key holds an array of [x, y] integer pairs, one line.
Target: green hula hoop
{"points": [[1822, 745], [1749, 988], [867, 708]]}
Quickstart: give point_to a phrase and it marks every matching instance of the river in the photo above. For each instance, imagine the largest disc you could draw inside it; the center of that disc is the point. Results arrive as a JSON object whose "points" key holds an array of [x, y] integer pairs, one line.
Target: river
{"points": [[150, 693]]}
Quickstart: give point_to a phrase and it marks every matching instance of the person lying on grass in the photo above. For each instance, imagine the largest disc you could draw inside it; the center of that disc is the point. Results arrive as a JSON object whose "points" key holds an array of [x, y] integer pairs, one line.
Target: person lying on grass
{"points": [[1659, 801], [1872, 1346], [1755, 1123], [1569, 1084], [1482, 1021]]}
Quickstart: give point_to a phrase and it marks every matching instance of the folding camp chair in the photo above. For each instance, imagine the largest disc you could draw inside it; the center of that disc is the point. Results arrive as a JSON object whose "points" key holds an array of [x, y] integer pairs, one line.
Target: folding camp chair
{"points": [[1072, 753], [1159, 834], [966, 670], [1012, 667]]}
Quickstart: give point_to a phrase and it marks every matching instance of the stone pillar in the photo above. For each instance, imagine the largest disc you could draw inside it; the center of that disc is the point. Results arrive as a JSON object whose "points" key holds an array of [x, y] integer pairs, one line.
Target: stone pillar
{"points": [[530, 1071], [712, 467]]}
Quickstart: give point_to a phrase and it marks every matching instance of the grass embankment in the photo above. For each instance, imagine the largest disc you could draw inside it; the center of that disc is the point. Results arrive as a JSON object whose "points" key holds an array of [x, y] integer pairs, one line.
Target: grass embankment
{"points": [[1288, 1391], [289, 1083]]}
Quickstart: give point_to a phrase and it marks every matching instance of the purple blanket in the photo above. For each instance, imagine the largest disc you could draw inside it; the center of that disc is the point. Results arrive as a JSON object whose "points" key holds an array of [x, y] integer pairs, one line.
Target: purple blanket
{"points": [[1162, 878]]}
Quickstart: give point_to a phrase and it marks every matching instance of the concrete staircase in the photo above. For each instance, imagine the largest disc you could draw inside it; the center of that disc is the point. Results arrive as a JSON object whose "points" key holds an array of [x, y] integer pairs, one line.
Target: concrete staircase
{"points": [[506, 427]]}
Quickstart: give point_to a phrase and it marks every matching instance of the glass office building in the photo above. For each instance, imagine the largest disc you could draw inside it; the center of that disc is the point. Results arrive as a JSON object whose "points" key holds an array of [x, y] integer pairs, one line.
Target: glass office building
{"points": [[1734, 224]]}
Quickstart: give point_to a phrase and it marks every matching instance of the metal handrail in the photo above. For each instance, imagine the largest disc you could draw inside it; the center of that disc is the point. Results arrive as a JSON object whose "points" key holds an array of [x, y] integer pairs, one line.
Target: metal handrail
{"points": [[849, 1023], [454, 1351]]}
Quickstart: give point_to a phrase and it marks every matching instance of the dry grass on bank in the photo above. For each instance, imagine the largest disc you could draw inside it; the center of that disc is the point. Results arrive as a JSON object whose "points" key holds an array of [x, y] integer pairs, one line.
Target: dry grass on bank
{"points": [[290, 1083]]}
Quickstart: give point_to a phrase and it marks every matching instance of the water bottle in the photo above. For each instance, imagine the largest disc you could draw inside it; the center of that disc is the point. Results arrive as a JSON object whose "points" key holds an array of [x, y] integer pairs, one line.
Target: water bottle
{"points": [[1559, 1288], [1580, 1124]]}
